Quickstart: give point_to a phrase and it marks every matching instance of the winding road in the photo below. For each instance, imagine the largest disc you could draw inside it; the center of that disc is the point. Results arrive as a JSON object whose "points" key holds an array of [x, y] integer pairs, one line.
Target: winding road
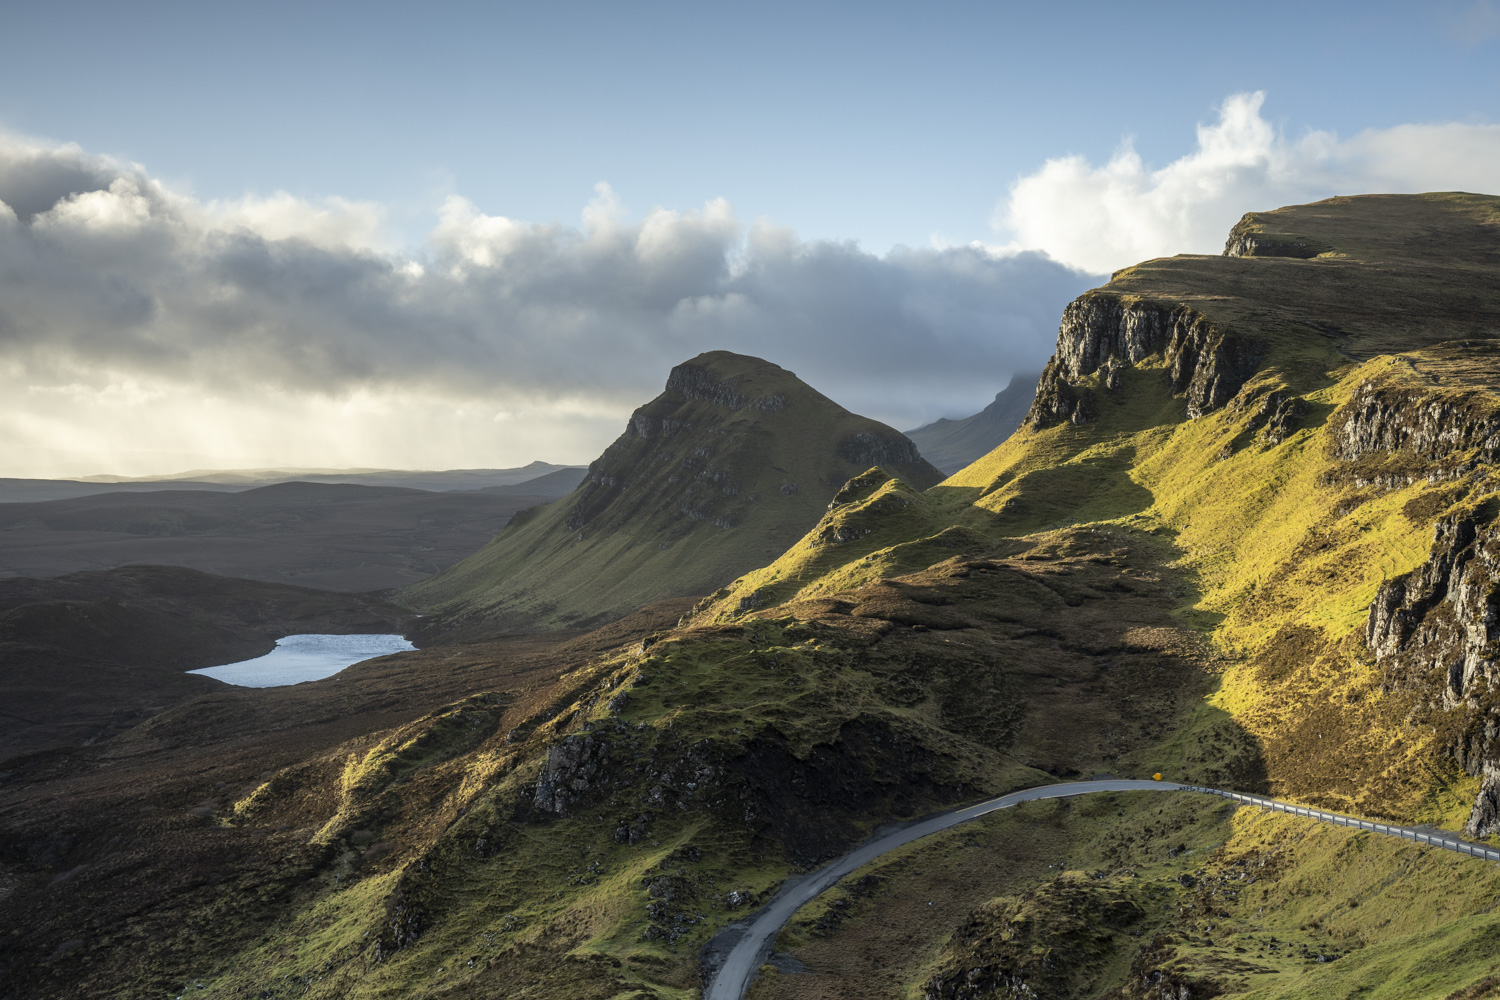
{"points": [[736, 954]]}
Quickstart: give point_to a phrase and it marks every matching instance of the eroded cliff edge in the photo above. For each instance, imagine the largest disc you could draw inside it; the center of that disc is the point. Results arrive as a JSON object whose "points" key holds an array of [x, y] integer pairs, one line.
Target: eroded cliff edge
{"points": [[1103, 331]]}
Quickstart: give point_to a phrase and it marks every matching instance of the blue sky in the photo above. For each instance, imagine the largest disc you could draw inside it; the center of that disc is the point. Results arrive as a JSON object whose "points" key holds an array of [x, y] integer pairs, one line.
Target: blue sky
{"points": [[459, 235], [882, 123]]}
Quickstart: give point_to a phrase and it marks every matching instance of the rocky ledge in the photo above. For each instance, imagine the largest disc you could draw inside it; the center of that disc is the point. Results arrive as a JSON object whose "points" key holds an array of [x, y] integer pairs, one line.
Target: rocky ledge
{"points": [[696, 382], [1245, 241], [1433, 425], [1102, 331]]}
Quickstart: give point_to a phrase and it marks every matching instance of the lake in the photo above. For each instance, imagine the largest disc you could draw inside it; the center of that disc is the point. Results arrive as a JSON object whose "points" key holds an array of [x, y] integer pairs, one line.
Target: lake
{"points": [[308, 657]]}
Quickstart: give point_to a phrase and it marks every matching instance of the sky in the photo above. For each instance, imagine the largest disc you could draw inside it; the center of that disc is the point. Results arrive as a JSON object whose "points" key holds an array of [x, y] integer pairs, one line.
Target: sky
{"points": [[464, 235]]}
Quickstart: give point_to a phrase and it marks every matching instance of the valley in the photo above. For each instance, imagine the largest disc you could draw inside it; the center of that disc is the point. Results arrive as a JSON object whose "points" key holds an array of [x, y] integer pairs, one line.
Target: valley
{"points": [[1244, 538]]}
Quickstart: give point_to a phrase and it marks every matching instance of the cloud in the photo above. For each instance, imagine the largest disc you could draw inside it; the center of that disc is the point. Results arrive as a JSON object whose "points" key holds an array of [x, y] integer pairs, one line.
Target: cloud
{"points": [[138, 322], [1100, 218]]}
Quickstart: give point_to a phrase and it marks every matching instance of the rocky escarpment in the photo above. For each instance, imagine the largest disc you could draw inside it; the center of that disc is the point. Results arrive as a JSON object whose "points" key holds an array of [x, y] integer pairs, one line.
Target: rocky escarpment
{"points": [[659, 421], [692, 381], [1245, 240], [1102, 332], [869, 448], [1436, 631], [1436, 426]]}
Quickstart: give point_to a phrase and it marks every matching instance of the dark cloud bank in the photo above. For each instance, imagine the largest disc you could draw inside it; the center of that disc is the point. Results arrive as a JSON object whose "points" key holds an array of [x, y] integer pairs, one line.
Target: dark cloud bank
{"points": [[106, 272]]}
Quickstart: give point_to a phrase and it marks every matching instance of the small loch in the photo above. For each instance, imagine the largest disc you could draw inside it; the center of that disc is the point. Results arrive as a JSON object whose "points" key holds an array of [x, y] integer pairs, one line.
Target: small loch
{"points": [[307, 657]]}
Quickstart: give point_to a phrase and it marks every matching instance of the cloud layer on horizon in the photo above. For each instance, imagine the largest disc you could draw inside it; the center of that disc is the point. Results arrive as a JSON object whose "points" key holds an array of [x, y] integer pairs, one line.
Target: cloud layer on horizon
{"points": [[144, 330], [127, 303], [1101, 218]]}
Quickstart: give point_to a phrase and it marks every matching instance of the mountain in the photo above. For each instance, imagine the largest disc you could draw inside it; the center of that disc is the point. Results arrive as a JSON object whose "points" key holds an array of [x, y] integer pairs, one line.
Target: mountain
{"points": [[336, 537], [952, 444], [1248, 536], [729, 465]]}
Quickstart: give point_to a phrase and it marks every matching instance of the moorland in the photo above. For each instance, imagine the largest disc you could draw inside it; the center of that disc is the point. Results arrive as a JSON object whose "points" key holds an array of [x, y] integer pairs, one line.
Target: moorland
{"points": [[1244, 537]]}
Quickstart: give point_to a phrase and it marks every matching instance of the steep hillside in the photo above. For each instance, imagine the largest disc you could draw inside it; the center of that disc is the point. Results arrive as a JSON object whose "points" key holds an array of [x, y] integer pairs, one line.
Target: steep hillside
{"points": [[1246, 537], [952, 444], [716, 475]]}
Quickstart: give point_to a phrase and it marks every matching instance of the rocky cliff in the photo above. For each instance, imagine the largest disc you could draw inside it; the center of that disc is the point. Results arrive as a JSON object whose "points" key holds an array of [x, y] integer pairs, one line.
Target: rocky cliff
{"points": [[1435, 631], [1102, 332]]}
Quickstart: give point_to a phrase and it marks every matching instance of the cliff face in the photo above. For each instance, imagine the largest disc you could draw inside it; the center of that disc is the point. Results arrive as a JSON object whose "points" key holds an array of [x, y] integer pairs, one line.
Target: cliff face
{"points": [[1388, 419], [1436, 631], [1102, 332], [1248, 239]]}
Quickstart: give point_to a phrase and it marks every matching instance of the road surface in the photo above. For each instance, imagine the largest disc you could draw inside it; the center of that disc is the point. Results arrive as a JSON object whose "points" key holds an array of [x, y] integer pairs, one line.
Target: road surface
{"points": [[737, 953]]}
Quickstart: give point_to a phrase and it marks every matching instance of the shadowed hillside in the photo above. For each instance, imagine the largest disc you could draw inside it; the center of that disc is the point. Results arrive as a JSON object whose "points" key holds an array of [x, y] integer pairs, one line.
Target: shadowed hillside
{"points": [[90, 654], [716, 475], [332, 536], [952, 444]]}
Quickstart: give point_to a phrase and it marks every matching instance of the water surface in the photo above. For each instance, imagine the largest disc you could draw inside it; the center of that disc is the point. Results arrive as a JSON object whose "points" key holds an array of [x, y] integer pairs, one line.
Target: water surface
{"points": [[307, 657]]}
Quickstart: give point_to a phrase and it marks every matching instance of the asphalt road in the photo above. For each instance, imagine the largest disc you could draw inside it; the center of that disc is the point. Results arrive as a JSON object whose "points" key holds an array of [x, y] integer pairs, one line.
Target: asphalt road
{"points": [[738, 952]]}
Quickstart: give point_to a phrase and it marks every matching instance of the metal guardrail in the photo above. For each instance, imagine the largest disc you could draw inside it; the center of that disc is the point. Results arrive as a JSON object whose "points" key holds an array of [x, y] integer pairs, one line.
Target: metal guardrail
{"points": [[1406, 833]]}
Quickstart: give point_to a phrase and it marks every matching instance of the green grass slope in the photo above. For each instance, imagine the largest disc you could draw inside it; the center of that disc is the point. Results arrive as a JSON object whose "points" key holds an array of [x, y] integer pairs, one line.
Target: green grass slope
{"points": [[716, 475], [1314, 435]]}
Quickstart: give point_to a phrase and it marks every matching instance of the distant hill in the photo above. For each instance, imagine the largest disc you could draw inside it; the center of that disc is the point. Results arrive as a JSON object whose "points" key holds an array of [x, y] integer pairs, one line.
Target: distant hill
{"points": [[330, 536], [236, 480], [553, 484], [718, 474], [952, 444]]}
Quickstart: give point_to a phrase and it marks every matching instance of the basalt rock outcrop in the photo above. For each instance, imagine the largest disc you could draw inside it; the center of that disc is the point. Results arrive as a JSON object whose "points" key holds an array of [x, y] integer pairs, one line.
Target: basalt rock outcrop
{"points": [[1436, 426], [1247, 240], [1436, 631], [1102, 331]]}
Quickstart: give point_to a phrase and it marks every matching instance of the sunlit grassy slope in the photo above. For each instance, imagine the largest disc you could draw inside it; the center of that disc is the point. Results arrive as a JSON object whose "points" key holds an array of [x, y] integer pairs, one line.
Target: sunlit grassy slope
{"points": [[1286, 544]]}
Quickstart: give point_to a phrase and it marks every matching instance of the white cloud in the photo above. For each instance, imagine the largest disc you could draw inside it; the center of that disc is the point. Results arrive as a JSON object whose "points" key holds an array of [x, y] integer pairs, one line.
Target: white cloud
{"points": [[1104, 217], [255, 323], [332, 224]]}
